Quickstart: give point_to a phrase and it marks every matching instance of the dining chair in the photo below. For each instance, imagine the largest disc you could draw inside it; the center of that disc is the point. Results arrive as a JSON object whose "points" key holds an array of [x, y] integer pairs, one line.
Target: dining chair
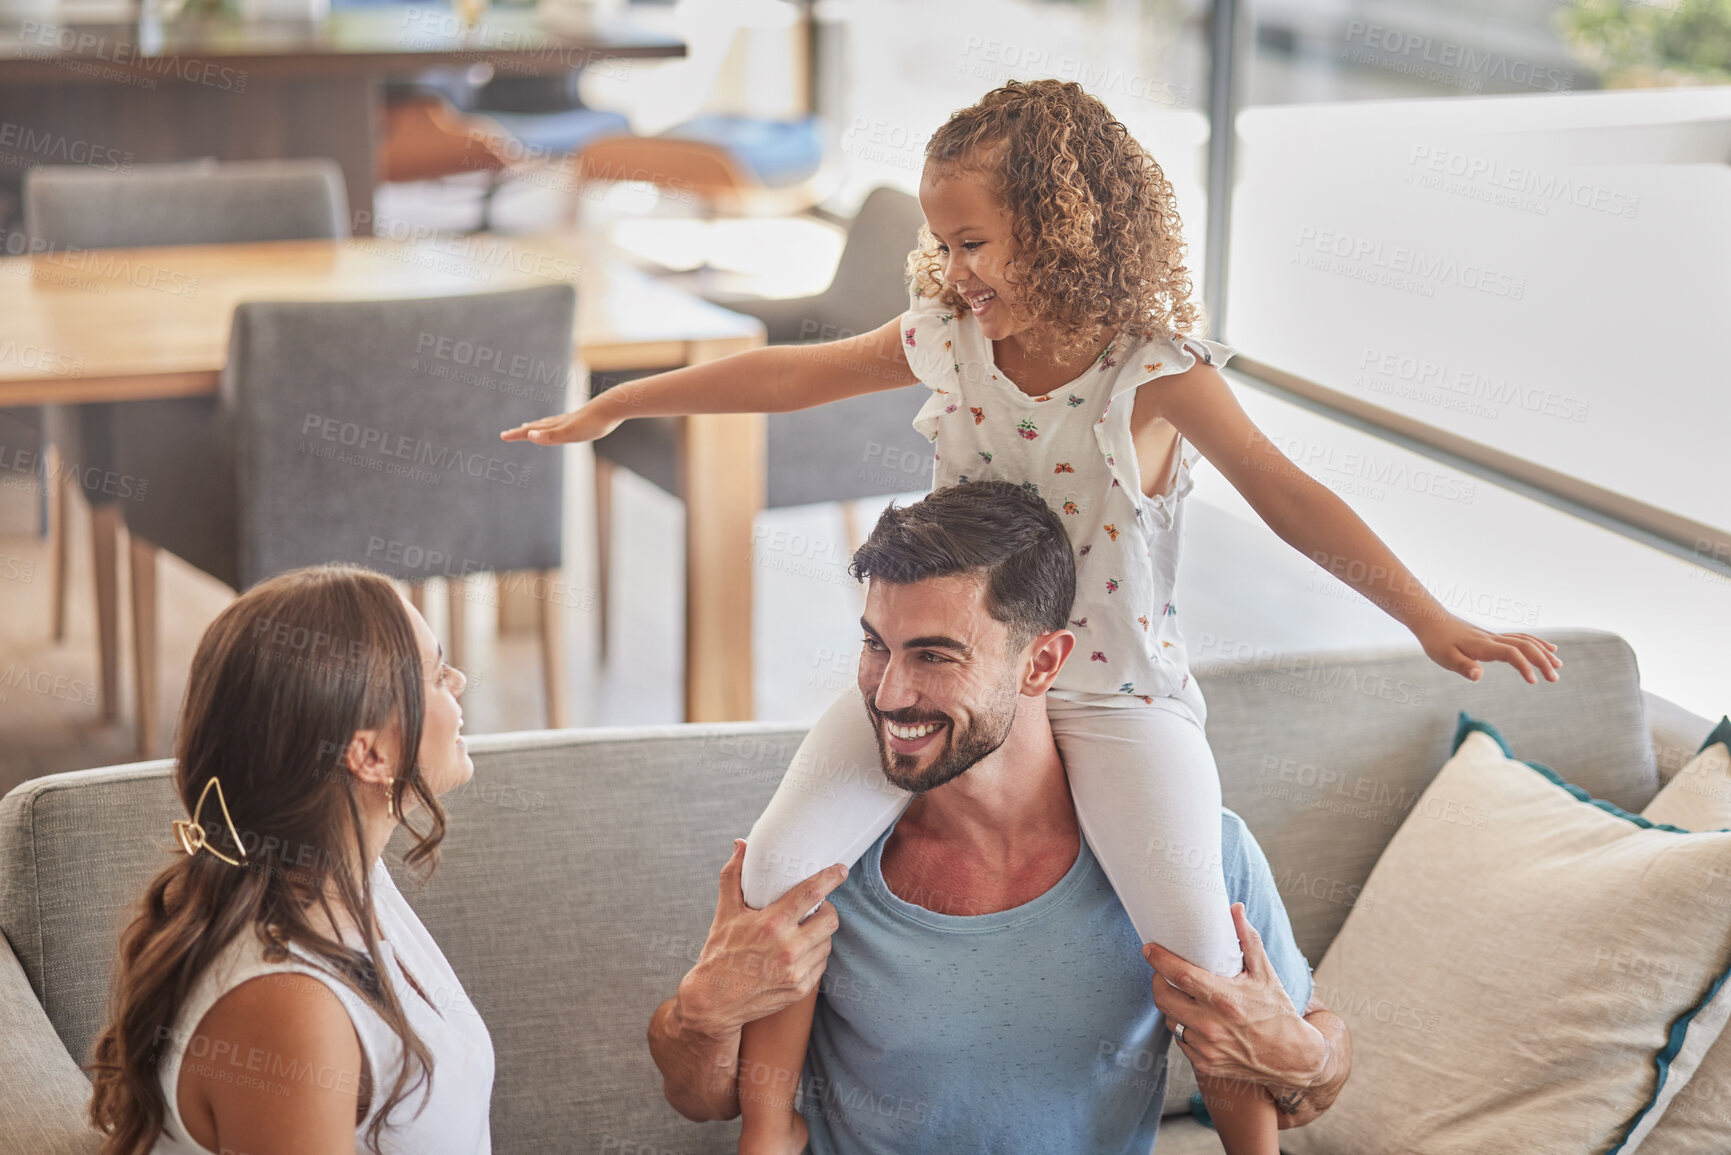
{"points": [[363, 432], [182, 203], [861, 447]]}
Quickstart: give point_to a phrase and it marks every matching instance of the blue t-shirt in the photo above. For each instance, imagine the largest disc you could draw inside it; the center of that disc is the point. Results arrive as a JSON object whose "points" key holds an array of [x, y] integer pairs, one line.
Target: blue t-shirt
{"points": [[1028, 1030]]}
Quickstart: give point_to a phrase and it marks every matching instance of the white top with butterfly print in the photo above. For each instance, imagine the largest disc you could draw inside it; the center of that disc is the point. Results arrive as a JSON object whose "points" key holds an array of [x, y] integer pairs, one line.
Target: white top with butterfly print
{"points": [[1073, 448]]}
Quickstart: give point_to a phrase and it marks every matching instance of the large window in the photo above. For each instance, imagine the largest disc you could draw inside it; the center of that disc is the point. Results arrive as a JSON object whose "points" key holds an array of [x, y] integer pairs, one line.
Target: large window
{"points": [[1509, 220], [1528, 246]]}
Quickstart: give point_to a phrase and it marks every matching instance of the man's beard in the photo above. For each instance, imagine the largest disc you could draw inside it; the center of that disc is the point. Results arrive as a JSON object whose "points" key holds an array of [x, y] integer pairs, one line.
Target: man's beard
{"points": [[989, 730]]}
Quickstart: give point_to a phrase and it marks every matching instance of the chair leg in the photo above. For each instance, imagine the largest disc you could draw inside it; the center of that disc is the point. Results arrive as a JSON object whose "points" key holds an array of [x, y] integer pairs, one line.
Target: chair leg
{"points": [[494, 181], [104, 541], [144, 635], [603, 546], [850, 534], [456, 591], [578, 190], [850, 526], [59, 506], [552, 652]]}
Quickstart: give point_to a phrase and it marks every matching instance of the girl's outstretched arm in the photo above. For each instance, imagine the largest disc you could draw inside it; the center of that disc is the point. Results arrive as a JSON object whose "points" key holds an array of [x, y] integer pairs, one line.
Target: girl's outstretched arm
{"points": [[776, 379], [1311, 518]]}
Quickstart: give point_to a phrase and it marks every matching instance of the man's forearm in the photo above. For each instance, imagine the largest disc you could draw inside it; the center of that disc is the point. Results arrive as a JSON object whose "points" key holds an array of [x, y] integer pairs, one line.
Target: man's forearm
{"points": [[1298, 1105], [699, 1070]]}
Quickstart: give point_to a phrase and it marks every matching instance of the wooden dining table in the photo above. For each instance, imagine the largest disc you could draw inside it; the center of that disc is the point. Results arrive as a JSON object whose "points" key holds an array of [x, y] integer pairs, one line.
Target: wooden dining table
{"points": [[83, 326]]}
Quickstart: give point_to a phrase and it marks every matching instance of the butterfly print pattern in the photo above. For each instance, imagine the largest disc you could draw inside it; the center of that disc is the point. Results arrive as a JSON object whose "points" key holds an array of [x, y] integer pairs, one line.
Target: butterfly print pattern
{"points": [[1076, 444]]}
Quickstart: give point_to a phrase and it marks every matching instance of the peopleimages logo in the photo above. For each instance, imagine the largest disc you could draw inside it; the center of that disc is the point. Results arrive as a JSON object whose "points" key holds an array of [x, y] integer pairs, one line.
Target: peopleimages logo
{"points": [[1366, 258], [40, 41], [409, 452], [47, 684], [1517, 186], [1445, 61], [1460, 387], [35, 147], [1000, 59]]}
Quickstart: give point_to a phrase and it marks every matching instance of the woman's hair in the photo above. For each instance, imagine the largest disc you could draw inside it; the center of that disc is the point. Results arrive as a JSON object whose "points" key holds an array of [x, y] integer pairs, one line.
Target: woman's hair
{"points": [[1096, 222], [281, 682]]}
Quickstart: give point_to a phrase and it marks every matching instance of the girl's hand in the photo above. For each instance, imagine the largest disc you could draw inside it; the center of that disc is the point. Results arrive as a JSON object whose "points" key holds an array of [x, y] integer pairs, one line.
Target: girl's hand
{"points": [[1460, 646], [585, 424]]}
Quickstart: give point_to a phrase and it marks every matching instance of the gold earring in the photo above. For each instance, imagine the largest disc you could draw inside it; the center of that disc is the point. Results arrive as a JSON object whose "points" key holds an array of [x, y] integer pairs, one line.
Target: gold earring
{"points": [[390, 797], [191, 834]]}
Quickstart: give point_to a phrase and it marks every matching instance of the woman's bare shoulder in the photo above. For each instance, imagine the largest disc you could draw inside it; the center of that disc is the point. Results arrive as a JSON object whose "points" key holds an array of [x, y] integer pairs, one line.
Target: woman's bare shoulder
{"points": [[274, 1065]]}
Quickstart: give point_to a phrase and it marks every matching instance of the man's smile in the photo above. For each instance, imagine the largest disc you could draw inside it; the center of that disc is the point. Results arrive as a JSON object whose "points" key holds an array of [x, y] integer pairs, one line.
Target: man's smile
{"points": [[912, 737]]}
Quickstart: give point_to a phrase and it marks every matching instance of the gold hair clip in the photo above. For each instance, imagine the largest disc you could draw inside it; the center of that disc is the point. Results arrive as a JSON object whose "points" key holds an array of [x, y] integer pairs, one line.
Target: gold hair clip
{"points": [[191, 834]]}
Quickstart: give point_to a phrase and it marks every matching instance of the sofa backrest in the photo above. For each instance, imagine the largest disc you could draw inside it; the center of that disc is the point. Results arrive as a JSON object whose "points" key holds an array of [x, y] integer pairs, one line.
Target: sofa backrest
{"points": [[1324, 756], [578, 878]]}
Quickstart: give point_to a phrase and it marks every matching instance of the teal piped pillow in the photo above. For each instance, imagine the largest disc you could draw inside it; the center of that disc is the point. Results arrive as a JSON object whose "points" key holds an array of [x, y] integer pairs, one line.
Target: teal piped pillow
{"points": [[1527, 968]]}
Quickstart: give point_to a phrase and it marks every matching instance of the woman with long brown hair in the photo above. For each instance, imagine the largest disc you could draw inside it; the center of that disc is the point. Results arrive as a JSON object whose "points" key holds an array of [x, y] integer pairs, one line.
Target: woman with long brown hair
{"points": [[275, 993]]}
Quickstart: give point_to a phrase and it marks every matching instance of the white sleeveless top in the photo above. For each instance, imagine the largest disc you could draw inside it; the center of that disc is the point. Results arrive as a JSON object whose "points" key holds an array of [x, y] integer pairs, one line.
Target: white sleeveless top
{"points": [[453, 1120], [1073, 448]]}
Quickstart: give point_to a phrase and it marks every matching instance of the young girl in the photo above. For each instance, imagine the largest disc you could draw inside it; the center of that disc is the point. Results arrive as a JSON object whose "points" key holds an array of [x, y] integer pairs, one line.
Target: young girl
{"points": [[1049, 303]]}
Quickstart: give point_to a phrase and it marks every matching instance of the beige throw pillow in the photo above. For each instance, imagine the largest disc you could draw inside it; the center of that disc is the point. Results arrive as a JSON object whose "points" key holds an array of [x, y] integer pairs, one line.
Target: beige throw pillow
{"points": [[1699, 797], [1526, 970], [1698, 1121]]}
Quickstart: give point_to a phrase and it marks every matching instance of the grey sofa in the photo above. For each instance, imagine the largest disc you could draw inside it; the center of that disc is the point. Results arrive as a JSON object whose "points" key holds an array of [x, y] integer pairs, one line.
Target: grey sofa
{"points": [[579, 875]]}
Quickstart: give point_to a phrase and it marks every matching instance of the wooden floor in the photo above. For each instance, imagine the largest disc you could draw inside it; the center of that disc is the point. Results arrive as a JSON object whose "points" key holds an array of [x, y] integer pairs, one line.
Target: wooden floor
{"points": [[48, 704]]}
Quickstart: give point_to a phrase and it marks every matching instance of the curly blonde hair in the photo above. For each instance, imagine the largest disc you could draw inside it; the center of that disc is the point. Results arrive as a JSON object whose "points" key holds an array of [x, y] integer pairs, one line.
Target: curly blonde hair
{"points": [[1096, 224]]}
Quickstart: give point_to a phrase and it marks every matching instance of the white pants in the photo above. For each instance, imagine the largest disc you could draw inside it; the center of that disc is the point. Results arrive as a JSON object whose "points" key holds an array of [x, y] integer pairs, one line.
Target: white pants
{"points": [[1147, 797]]}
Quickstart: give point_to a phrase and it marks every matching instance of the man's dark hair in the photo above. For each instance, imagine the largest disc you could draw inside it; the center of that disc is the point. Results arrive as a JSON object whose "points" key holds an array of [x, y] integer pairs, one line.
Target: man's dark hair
{"points": [[993, 529]]}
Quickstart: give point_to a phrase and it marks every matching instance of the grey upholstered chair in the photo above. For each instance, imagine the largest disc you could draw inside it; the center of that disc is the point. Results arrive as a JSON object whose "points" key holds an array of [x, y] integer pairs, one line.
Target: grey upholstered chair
{"points": [[201, 202], [366, 432], [186, 203], [861, 447]]}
